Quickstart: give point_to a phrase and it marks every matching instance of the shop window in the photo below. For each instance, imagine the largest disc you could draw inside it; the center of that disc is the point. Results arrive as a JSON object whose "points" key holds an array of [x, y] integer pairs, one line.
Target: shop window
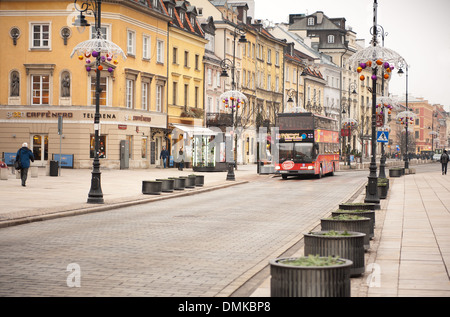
{"points": [[101, 147]]}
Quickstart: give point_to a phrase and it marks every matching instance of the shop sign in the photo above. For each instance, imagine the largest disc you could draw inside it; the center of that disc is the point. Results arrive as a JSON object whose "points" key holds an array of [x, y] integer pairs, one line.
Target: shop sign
{"points": [[36, 114]]}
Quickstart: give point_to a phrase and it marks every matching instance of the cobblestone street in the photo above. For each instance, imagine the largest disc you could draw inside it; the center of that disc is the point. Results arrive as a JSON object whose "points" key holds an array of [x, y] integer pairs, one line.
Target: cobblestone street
{"points": [[202, 245]]}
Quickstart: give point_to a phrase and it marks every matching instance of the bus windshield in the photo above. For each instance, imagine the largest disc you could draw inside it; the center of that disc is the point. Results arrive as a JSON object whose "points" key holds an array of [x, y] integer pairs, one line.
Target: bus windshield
{"points": [[297, 152]]}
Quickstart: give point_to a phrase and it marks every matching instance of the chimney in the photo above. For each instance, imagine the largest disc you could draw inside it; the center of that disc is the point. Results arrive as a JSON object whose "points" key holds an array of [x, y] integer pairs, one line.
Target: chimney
{"points": [[319, 17]]}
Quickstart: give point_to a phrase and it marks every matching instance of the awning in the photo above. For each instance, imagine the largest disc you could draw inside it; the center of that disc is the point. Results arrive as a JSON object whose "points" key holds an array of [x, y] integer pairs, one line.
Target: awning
{"points": [[195, 130]]}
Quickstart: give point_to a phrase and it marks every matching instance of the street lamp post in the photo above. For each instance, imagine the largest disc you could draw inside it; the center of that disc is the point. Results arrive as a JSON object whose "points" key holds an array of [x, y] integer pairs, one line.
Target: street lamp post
{"points": [[95, 193], [227, 64], [400, 73], [351, 86]]}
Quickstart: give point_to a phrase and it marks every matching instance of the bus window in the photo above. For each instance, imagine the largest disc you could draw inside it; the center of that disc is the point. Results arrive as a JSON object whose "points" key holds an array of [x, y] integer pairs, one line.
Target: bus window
{"points": [[286, 151]]}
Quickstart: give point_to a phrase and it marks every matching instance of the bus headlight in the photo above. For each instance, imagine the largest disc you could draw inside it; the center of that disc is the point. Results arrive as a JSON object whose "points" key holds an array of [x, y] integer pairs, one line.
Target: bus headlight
{"points": [[277, 168], [310, 167]]}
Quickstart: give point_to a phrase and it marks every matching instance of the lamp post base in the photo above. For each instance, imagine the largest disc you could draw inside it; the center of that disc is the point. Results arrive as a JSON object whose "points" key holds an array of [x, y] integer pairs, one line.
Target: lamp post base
{"points": [[95, 195], [372, 187], [230, 173]]}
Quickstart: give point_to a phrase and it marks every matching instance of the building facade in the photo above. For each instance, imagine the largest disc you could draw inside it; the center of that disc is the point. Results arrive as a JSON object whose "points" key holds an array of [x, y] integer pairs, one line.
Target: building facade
{"points": [[40, 81]]}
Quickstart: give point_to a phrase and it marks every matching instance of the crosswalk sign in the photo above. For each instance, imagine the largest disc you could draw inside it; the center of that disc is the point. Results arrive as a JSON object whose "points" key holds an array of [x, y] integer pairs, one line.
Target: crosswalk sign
{"points": [[383, 136]]}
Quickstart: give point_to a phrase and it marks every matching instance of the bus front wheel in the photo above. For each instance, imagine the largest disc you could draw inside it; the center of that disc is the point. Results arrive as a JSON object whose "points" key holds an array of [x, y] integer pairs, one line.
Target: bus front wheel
{"points": [[320, 172]]}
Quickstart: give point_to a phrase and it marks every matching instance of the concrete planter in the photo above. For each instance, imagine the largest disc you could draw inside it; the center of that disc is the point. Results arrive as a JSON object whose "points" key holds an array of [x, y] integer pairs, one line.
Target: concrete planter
{"points": [[167, 185], [199, 180], [189, 181], [151, 187], [362, 213], [382, 191], [395, 172], [354, 225], [178, 183], [348, 246], [309, 281]]}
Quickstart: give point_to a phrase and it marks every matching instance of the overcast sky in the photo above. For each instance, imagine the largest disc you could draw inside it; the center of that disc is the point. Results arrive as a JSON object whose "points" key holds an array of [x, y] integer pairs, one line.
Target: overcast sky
{"points": [[418, 30]]}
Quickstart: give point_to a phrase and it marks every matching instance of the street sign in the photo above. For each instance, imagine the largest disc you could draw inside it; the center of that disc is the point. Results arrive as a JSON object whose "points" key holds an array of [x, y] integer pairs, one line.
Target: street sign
{"points": [[380, 120], [383, 136]]}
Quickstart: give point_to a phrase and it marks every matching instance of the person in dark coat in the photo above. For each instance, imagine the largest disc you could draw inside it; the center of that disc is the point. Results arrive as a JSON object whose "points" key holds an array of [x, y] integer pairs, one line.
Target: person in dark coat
{"points": [[24, 155], [444, 162], [181, 158], [164, 156]]}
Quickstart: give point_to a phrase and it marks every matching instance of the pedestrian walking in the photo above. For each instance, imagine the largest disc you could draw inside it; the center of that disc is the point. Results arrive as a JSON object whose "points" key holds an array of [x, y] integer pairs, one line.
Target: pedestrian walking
{"points": [[164, 156], [444, 162], [24, 156], [181, 157]]}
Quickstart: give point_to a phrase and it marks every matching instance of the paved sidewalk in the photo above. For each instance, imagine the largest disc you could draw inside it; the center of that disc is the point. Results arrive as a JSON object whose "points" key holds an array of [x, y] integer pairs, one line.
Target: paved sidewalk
{"points": [[410, 253], [49, 197]]}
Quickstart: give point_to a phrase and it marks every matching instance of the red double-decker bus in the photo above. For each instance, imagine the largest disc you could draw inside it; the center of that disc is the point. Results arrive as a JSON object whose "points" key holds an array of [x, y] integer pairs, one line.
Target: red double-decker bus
{"points": [[308, 144]]}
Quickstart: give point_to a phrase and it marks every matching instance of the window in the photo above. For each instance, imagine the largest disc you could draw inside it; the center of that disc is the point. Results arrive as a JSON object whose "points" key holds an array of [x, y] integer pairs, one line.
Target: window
{"points": [[101, 146], [103, 31], [209, 104], [159, 96], [186, 59], [103, 90], [131, 42], [277, 85], [186, 95], [196, 96], [197, 66], [294, 75], [330, 38], [287, 73], [175, 55], [146, 47], [144, 101], [144, 147], [174, 93], [277, 59], [40, 89], [269, 56], [209, 76], [130, 93], [160, 51], [269, 82], [40, 35], [311, 21]]}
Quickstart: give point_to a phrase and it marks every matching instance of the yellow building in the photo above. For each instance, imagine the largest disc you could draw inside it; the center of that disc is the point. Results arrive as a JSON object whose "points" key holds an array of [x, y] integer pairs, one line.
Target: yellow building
{"points": [[40, 81], [186, 49]]}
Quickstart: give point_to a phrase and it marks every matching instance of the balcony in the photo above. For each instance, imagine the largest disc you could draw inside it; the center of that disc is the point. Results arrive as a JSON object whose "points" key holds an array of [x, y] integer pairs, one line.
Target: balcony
{"points": [[217, 119]]}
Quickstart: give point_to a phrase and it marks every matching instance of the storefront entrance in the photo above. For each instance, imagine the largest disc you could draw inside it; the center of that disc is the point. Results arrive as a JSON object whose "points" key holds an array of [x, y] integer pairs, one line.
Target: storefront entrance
{"points": [[39, 146]]}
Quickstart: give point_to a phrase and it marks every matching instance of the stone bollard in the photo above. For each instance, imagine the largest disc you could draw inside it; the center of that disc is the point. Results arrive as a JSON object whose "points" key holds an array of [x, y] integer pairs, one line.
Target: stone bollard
{"points": [[34, 171], [4, 173]]}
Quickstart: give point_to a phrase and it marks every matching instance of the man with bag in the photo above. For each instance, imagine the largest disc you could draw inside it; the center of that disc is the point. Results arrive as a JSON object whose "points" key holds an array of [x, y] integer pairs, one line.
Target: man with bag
{"points": [[23, 157], [444, 162]]}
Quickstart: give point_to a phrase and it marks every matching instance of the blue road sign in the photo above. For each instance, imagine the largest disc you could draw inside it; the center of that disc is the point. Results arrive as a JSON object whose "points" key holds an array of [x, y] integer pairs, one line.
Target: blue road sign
{"points": [[383, 136]]}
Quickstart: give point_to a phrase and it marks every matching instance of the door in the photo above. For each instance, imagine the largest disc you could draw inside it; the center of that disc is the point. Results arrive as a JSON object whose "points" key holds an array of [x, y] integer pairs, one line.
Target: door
{"points": [[39, 146]]}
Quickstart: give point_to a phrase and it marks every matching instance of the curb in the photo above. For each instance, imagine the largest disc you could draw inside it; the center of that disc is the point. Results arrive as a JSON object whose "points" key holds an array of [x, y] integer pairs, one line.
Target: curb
{"points": [[111, 206]]}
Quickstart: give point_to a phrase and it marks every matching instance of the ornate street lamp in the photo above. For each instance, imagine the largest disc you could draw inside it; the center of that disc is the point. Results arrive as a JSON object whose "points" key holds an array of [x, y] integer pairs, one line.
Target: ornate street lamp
{"points": [[101, 50], [353, 123], [374, 57], [384, 107], [406, 114], [233, 103]]}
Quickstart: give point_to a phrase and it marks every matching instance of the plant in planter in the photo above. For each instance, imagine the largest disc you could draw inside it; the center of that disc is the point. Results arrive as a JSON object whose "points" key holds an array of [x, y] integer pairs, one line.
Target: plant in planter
{"points": [[362, 213], [310, 276], [347, 222], [345, 244], [357, 206]]}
